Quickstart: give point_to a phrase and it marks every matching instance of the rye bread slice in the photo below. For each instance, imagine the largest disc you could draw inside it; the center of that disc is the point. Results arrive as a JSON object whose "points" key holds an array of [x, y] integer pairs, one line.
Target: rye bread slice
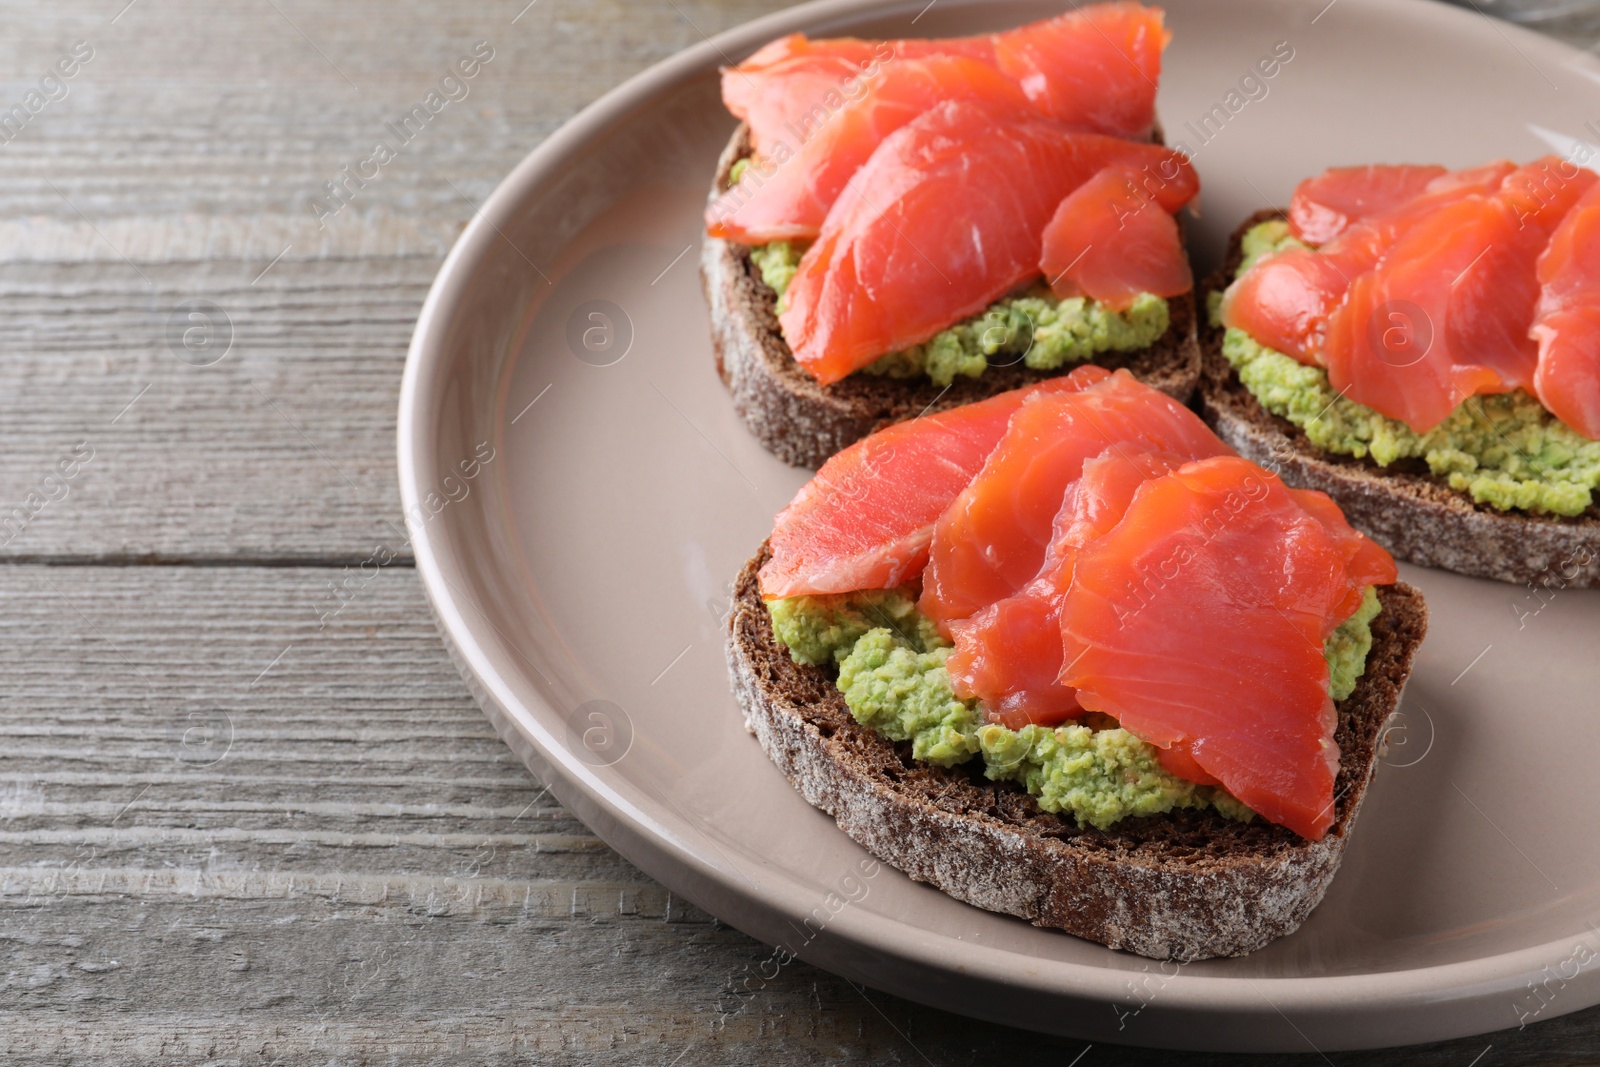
{"points": [[1187, 885], [803, 422], [1404, 507]]}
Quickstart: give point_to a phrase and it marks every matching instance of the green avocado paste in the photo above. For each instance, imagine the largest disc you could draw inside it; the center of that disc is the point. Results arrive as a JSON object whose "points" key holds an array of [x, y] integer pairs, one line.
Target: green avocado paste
{"points": [[1036, 328], [1504, 450], [891, 662]]}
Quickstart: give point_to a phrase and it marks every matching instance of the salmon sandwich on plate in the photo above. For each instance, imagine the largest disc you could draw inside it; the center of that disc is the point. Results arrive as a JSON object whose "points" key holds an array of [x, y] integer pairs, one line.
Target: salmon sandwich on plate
{"points": [[1424, 346], [1064, 654], [907, 226]]}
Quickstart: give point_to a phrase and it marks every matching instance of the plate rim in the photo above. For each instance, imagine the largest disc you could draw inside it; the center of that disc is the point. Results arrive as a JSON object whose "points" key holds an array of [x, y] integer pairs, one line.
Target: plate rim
{"points": [[651, 840]]}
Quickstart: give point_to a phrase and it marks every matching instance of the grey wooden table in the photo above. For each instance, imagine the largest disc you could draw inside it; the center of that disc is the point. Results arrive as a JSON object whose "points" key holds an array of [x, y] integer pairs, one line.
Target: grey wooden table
{"points": [[235, 826]]}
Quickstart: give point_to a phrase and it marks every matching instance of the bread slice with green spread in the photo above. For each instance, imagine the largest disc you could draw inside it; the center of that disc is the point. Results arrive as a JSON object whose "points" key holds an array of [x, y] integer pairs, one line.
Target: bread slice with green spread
{"points": [[1018, 341], [1185, 878], [1499, 490]]}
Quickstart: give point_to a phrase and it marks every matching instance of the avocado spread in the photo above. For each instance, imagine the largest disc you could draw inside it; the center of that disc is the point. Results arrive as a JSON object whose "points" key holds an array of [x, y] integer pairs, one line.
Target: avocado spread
{"points": [[1035, 328], [1347, 647], [891, 661], [1504, 450]]}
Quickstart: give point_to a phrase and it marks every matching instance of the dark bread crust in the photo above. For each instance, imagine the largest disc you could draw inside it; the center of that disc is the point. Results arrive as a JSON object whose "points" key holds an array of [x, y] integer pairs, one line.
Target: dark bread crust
{"points": [[1415, 515], [1187, 885], [804, 423]]}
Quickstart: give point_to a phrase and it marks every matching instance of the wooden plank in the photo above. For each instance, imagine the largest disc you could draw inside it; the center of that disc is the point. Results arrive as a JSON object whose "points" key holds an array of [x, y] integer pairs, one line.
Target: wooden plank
{"points": [[283, 450], [219, 820]]}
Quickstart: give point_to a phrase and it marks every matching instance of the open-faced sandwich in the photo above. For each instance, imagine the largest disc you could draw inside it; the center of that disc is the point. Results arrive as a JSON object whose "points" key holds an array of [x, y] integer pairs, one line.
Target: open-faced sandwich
{"points": [[1063, 654], [1424, 346], [905, 226]]}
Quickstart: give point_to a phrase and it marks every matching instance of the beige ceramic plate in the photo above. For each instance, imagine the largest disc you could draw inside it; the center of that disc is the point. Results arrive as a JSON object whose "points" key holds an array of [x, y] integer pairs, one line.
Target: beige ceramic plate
{"points": [[580, 503]]}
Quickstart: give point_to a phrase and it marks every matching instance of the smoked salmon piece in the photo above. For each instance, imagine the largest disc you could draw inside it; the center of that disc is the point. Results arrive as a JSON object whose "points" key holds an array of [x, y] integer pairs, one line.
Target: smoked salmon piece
{"points": [[1368, 562], [1447, 314], [1325, 206], [790, 88], [1566, 322], [1178, 760], [992, 539], [945, 218], [1109, 240], [1198, 621], [1285, 301], [787, 196], [1095, 68], [782, 92], [865, 520], [1009, 654]]}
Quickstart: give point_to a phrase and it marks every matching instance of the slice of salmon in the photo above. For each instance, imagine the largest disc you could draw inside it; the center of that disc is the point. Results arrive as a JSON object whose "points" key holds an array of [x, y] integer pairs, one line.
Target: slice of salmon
{"points": [[1325, 206], [1198, 621], [1566, 322], [992, 539], [787, 195], [1111, 241], [796, 47], [1285, 301], [791, 87], [1095, 67], [1567, 380], [1008, 655], [782, 92], [945, 218], [865, 520], [1366, 561], [1447, 314]]}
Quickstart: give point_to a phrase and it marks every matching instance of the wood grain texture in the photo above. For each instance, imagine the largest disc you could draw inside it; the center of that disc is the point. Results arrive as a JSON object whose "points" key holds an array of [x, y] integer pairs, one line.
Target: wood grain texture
{"points": [[229, 834]]}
